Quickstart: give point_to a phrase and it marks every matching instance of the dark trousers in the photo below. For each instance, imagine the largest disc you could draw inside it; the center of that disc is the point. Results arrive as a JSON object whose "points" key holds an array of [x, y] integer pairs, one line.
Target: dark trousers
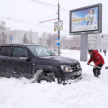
{"points": [[97, 71]]}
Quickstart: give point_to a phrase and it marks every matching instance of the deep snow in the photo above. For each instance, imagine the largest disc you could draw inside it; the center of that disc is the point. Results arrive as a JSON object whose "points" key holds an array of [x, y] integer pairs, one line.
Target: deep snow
{"points": [[89, 92]]}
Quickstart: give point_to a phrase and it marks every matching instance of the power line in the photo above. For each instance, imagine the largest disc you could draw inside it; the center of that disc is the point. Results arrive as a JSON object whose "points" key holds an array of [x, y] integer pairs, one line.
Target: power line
{"points": [[64, 10], [43, 3], [20, 21], [48, 20], [47, 4], [49, 17]]}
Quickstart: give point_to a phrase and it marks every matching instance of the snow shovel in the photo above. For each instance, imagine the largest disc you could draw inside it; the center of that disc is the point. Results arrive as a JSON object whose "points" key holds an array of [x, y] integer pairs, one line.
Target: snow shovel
{"points": [[95, 66]]}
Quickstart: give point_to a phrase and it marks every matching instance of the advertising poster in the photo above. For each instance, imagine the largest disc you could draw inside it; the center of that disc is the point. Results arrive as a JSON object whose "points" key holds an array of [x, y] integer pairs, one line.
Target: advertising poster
{"points": [[84, 20]]}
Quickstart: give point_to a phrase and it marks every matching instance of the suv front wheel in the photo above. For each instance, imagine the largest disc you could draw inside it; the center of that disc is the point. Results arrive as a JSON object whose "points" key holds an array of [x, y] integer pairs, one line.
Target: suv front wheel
{"points": [[44, 78]]}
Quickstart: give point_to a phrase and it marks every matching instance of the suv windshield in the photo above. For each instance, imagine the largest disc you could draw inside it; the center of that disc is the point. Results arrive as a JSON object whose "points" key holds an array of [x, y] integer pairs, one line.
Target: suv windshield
{"points": [[40, 51]]}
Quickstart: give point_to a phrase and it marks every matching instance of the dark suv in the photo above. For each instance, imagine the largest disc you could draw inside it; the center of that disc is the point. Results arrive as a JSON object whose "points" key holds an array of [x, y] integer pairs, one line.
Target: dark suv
{"points": [[32, 61]]}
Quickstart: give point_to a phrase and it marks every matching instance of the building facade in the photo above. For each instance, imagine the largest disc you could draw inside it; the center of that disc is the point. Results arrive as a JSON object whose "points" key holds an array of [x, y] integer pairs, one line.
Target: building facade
{"points": [[18, 37], [98, 41]]}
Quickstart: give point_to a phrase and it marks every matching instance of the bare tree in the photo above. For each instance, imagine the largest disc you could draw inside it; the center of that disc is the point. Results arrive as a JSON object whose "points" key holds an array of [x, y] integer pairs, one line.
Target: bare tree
{"points": [[4, 37], [31, 36], [50, 40], [25, 40], [76, 41], [41, 41], [2, 26]]}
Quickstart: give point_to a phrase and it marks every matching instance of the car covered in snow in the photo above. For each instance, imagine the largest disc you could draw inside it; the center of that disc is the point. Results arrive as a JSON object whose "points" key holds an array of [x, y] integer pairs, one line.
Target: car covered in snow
{"points": [[38, 63]]}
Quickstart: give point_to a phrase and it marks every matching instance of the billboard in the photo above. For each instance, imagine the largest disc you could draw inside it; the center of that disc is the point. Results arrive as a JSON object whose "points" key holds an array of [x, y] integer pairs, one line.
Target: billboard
{"points": [[86, 20]]}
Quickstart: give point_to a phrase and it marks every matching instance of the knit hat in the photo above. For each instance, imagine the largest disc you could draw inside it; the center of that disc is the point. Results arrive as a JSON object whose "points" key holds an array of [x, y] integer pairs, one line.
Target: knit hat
{"points": [[90, 50]]}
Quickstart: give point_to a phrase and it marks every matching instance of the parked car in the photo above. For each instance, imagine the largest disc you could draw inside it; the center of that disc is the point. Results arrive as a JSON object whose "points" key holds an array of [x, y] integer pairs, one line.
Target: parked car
{"points": [[75, 48], [56, 51], [32, 61]]}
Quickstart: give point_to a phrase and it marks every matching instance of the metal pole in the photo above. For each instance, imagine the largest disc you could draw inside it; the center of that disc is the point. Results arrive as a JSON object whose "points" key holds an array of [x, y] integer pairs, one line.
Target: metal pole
{"points": [[84, 47], [59, 30]]}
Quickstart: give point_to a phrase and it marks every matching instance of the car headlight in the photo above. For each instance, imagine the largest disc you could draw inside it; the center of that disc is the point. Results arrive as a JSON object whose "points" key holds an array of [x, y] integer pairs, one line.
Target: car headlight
{"points": [[66, 68]]}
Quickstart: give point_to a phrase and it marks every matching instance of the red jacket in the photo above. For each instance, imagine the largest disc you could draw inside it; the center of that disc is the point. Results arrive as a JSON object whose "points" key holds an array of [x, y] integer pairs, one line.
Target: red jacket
{"points": [[96, 58]]}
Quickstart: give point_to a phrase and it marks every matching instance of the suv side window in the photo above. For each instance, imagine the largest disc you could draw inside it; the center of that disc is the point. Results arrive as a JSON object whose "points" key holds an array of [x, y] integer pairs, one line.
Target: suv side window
{"points": [[19, 51], [5, 50]]}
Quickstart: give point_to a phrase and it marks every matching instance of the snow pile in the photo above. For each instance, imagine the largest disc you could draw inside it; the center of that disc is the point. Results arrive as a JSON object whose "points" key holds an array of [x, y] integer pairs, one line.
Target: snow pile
{"points": [[90, 92]]}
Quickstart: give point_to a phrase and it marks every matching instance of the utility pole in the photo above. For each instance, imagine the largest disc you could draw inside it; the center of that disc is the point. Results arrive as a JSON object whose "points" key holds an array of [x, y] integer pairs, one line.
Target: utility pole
{"points": [[58, 43], [59, 30]]}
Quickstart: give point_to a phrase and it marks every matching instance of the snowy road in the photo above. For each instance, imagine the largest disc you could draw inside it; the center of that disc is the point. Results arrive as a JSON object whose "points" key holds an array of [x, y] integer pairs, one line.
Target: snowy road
{"points": [[90, 92]]}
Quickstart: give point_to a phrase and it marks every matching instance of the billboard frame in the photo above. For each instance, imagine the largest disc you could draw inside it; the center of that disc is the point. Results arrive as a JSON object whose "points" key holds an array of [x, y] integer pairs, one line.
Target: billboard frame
{"points": [[99, 30]]}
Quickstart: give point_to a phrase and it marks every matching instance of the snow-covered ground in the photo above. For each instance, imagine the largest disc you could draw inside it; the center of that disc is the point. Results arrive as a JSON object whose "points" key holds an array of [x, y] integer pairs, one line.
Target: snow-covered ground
{"points": [[89, 92]]}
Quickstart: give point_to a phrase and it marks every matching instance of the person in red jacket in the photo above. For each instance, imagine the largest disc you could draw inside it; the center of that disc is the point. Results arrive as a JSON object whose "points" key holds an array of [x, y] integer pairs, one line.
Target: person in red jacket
{"points": [[98, 61]]}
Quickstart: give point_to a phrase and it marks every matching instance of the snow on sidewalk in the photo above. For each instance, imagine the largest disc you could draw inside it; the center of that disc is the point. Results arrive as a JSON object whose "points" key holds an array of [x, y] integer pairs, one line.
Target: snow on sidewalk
{"points": [[90, 92]]}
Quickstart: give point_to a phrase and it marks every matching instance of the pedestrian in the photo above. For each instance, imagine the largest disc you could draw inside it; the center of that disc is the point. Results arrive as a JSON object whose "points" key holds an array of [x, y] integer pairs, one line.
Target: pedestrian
{"points": [[98, 61], [104, 52], [100, 50]]}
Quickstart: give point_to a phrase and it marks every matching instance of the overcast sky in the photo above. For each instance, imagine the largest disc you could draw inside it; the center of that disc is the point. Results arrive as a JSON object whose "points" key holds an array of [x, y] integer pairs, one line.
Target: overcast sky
{"points": [[28, 11]]}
